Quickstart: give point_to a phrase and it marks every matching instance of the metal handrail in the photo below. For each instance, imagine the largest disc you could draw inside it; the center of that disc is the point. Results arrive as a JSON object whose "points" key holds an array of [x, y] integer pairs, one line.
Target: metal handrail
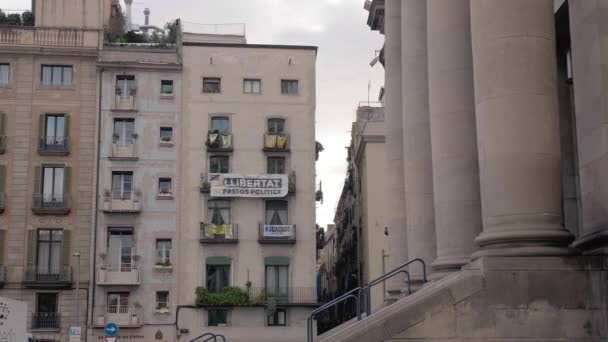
{"points": [[367, 291], [211, 336], [392, 273], [340, 299]]}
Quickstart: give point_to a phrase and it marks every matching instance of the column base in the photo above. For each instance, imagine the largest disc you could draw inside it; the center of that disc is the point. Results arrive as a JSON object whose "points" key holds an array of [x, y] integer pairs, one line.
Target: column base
{"points": [[449, 265]]}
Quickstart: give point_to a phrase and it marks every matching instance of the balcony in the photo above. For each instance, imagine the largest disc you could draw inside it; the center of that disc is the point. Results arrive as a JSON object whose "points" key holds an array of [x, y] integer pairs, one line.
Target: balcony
{"points": [[219, 142], [43, 277], [122, 202], [205, 184], [118, 275], [123, 152], [46, 320], [225, 233], [125, 103], [276, 143], [2, 143], [277, 233], [50, 37], [53, 146], [2, 202], [44, 204], [124, 316], [289, 296]]}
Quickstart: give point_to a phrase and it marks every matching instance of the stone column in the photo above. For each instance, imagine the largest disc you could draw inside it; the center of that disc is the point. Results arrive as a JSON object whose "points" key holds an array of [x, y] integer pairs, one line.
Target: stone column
{"points": [[418, 169], [395, 197], [517, 128], [453, 134]]}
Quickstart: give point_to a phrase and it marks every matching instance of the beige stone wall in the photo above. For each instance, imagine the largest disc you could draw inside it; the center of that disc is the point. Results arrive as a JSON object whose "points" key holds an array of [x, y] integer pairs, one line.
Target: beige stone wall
{"points": [[90, 14], [23, 101]]}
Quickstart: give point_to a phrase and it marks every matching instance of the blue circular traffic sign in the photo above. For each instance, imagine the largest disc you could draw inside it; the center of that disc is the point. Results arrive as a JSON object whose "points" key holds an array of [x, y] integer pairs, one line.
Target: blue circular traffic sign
{"points": [[111, 329]]}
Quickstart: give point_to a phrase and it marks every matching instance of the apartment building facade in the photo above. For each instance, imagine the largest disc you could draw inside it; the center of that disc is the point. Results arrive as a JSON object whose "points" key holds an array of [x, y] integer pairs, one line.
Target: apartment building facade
{"points": [[136, 215], [247, 206], [47, 114]]}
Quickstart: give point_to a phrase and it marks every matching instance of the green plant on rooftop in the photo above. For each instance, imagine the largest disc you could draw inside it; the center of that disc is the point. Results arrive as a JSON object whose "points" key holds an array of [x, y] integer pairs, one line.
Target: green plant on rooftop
{"points": [[17, 19]]}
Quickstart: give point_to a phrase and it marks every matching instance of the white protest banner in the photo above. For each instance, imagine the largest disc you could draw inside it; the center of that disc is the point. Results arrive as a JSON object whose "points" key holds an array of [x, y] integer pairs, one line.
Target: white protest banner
{"points": [[275, 231], [237, 185]]}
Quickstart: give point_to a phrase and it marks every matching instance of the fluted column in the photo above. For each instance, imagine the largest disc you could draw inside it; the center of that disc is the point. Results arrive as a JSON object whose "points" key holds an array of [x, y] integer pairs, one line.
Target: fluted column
{"points": [[395, 197], [418, 173], [517, 127], [453, 135]]}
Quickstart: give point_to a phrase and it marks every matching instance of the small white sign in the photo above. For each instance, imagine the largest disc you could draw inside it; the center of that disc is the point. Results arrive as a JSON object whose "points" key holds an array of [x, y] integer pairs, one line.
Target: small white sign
{"points": [[75, 334]]}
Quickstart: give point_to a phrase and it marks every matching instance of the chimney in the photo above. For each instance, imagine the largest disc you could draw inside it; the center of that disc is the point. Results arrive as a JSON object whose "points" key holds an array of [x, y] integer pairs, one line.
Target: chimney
{"points": [[147, 15], [128, 4]]}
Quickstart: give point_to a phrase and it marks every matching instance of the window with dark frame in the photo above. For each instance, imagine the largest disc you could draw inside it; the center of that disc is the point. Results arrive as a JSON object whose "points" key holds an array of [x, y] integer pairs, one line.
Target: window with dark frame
{"points": [[122, 185], [118, 302], [5, 73], [276, 126], [278, 318], [166, 87], [218, 277], [252, 86], [212, 85], [289, 87], [53, 184], [277, 282], [220, 124], [219, 211], [276, 212], [219, 164], [216, 317], [49, 251], [56, 75], [164, 186], [276, 165], [163, 252], [46, 311], [162, 301], [166, 134]]}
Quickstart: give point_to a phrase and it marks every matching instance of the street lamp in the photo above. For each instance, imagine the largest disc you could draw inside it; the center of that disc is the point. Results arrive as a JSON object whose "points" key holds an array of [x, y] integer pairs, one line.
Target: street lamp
{"points": [[77, 256]]}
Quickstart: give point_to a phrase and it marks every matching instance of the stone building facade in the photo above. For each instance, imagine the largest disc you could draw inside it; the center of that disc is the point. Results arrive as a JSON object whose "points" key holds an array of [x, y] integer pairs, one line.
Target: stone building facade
{"points": [[248, 113], [501, 146], [48, 97]]}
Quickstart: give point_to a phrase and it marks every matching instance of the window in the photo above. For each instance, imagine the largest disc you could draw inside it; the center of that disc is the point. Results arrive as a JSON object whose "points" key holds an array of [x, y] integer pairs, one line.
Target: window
{"points": [[252, 86], [56, 75], [217, 317], [212, 85], [276, 126], [125, 85], [218, 277], [219, 211], [49, 251], [120, 249], [54, 131], [163, 252], [166, 87], [220, 124], [218, 164], [278, 318], [164, 186], [162, 301], [5, 71], [118, 302], [276, 165], [166, 134], [276, 282], [52, 184], [46, 311], [276, 212], [123, 131], [122, 185], [289, 87]]}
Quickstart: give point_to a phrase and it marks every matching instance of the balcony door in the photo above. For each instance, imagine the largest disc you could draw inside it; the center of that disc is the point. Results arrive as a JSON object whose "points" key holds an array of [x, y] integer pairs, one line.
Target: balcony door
{"points": [[52, 184], [54, 129], [120, 250], [49, 252], [46, 316], [123, 132], [276, 282], [125, 86], [122, 185]]}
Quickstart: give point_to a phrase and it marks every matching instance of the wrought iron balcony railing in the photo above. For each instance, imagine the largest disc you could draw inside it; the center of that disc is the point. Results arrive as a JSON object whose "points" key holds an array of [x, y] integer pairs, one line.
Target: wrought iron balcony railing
{"points": [[118, 275], [123, 151], [59, 146], [219, 142], [57, 204], [123, 316], [47, 276], [224, 233], [46, 320]]}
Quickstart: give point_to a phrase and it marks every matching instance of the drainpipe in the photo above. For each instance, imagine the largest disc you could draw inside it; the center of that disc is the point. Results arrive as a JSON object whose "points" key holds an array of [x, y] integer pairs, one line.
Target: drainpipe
{"points": [[92, 262]]}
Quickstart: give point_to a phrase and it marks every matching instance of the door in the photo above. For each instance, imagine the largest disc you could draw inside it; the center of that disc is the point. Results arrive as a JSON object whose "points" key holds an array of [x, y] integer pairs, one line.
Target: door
{"points": [[55, 130], [120, 250], [118, 308], [46, 311], [122, 185], [123, 132], [49, 254], [52, 186], [277, 283]]}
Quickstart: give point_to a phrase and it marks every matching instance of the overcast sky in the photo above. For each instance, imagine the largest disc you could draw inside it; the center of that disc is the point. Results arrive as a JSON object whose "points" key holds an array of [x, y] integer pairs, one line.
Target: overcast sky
{"points": [[346, 46]]}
